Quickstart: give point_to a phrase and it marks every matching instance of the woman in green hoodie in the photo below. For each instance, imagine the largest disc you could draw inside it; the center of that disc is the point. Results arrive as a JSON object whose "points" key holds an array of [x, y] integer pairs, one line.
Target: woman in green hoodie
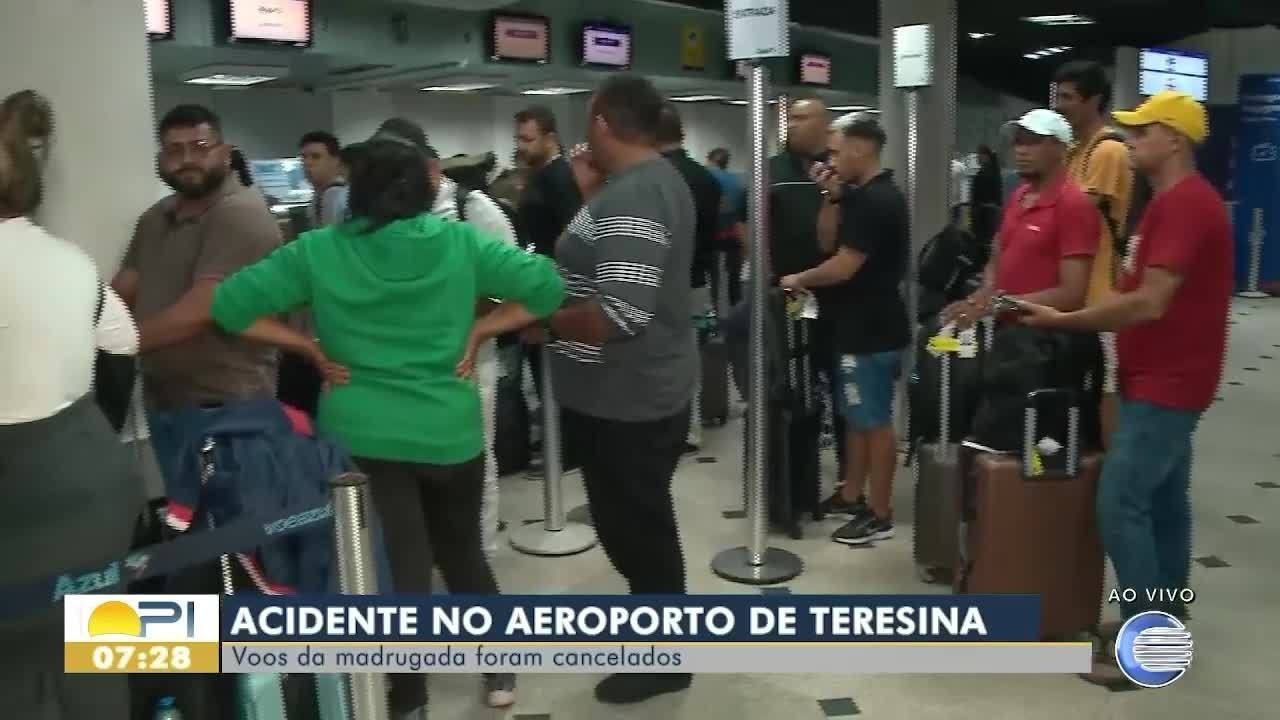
{"points": [[393, 293]]}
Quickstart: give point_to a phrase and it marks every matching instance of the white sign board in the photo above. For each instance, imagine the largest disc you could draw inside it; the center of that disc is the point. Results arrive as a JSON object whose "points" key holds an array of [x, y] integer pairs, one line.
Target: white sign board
{"points": [[913, 56], [757, 28]]}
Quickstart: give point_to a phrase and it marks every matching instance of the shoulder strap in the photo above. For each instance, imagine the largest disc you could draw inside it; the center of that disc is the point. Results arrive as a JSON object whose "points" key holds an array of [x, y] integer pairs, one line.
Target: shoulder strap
{"points": [[102, 297], [1105, 135], [460, 195]]}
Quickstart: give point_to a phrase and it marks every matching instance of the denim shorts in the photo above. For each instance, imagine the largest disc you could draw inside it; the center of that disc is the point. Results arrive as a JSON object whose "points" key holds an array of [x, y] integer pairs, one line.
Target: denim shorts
{"points": [[864, 388]]}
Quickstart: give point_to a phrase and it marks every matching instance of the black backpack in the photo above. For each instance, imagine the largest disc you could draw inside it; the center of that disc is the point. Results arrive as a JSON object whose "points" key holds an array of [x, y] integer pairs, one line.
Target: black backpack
{"points": [[948, 269], [924, 387], [1138, 200], [1023, 360]]}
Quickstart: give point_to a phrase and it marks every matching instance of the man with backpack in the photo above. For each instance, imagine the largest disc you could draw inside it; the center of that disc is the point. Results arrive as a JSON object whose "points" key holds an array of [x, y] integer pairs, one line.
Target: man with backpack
{"points": [[1099, 163], [1170, 315]]}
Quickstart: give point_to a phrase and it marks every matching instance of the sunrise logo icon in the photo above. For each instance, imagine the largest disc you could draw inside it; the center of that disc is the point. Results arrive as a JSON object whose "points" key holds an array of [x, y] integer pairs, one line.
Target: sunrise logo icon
{"points": [[114, 618]]}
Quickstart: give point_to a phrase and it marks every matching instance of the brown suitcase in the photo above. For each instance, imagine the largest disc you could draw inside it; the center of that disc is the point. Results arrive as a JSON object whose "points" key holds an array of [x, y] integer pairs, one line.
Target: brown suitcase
{"points": [[1031, 527]]}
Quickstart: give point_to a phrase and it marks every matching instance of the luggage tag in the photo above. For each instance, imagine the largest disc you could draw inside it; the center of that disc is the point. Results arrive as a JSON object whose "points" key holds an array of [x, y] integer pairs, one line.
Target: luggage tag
{"points": [[939, 344], [810, 309], [795, 306], [1047, 447]]}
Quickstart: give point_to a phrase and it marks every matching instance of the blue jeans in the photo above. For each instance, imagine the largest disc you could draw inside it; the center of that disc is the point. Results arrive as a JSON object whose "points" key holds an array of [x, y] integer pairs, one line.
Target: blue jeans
{"points": [[864, 388], [1144, 501]]}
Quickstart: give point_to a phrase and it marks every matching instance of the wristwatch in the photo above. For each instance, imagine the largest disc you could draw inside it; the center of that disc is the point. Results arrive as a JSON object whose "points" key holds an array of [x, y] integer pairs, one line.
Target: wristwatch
{"points": [[831, 199]]}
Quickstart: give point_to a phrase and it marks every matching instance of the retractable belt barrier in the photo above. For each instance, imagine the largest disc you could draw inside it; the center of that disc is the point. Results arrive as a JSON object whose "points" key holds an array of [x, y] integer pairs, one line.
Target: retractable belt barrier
{"points": [[241, 535]]}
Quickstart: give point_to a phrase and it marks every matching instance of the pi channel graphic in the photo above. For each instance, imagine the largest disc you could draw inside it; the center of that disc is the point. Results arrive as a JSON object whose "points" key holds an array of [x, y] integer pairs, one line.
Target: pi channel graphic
{"points": [[1154, 649]]}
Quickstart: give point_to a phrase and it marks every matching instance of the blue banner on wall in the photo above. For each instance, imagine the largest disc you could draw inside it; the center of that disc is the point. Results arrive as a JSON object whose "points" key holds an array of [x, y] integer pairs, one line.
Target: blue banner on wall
{"points": [[1257, 187]]}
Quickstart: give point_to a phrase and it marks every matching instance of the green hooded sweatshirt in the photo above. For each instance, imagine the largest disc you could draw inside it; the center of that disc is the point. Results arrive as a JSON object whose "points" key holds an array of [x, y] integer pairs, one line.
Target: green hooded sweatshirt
{"points": [[396, 307]]}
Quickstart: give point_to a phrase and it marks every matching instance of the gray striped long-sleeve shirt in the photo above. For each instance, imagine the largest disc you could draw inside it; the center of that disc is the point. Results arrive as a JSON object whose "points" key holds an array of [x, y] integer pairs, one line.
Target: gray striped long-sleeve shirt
{"points": [[631, 248]]}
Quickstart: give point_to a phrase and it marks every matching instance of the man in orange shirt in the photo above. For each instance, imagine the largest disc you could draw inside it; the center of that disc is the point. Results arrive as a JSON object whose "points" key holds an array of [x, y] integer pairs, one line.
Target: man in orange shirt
{"points": [[1099, 163]]}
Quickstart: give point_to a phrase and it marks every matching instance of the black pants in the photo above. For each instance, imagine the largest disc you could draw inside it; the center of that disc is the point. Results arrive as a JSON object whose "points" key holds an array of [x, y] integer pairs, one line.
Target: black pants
{"points": [[430, 515], [732, 276], [627, 469]]}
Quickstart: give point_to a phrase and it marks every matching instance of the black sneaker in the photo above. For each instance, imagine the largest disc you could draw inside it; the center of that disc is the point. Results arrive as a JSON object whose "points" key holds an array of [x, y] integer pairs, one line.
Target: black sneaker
{"points": [[626, 689], [863, 530], [837, 505]]}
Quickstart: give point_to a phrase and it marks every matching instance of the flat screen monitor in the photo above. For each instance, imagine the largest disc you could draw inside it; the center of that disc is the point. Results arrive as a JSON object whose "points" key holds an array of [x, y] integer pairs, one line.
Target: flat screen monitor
{"points": [[520, 38], [274, 22], [1167, 69], [159, 15], [606, 45], [282, 180], [815, 69]]}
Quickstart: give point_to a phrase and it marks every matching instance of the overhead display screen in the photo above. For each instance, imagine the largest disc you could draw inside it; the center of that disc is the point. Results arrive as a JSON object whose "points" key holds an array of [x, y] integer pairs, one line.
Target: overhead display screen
{"points": [[280, 22], [522, 38], [159, 15], [815, 69], [1165, 69], [606, 45]]}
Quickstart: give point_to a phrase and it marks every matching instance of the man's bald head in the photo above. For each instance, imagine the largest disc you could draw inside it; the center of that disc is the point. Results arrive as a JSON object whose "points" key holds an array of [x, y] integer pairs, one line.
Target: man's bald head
{"points": [[807, 126]]}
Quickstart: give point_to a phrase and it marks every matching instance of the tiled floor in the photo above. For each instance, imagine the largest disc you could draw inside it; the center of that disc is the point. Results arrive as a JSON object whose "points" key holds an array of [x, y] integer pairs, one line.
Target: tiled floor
{"points": [[1237, 643]]}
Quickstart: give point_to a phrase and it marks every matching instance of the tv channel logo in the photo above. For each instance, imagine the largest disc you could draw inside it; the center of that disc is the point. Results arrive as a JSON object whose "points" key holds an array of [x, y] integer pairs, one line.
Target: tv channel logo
{"points": [[141, 633], [1154, 649]]}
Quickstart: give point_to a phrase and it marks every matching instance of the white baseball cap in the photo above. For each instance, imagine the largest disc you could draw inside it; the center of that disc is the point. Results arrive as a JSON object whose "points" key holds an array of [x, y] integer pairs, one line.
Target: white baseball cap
{"points": [[1046, 123]]}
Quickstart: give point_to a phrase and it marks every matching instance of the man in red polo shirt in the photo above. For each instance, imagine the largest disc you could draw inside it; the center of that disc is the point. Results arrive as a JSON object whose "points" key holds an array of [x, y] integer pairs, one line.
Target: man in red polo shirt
{"points": [[1050, 230], [1171, 315]]}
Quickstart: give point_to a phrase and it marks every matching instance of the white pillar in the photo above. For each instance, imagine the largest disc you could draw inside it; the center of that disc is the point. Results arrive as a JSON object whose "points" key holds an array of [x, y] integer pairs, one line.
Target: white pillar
{"points": [[937, 116], [90, 58], [1124, 82]]}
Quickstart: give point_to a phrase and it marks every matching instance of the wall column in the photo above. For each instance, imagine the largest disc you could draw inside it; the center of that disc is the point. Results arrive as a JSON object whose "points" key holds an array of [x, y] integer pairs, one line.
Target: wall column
{"points": [[937, 116], [91, 60]]}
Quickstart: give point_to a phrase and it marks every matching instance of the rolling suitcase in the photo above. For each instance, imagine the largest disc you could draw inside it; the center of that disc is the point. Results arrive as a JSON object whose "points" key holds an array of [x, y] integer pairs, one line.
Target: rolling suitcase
{"points": [[713, 390], [940, 460], [1031, 524], [795, 418]]}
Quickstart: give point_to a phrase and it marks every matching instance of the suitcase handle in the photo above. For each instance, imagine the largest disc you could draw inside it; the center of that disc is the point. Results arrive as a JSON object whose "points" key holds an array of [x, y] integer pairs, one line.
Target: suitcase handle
{"points": [[1032, 466]]}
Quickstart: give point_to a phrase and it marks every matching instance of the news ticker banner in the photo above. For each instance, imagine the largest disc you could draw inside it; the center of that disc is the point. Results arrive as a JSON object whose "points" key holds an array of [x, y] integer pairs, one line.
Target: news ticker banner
{"points": [[563, 634]]}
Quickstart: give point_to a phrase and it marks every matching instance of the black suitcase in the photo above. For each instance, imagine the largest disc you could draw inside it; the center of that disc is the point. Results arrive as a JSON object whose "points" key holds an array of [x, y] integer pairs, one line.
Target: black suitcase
{"points": [[795, 417], [713, 390]]}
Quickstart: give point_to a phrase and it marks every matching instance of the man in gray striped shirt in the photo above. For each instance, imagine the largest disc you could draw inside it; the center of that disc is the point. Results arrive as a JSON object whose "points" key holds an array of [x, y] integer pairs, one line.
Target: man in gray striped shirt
{"points": [[624, 356]]}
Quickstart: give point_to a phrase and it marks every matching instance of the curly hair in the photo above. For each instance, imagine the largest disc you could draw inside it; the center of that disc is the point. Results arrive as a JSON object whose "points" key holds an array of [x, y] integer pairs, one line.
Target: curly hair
{"points": [[26, 126]]}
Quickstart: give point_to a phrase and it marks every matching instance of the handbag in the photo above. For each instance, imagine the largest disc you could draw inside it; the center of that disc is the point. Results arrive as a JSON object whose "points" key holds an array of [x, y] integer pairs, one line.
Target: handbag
{"points": [[113, 377]]}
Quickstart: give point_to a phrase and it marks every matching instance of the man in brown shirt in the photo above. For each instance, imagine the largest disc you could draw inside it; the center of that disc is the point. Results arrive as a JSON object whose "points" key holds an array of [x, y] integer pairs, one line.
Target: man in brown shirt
{"points": [[182, 247]]}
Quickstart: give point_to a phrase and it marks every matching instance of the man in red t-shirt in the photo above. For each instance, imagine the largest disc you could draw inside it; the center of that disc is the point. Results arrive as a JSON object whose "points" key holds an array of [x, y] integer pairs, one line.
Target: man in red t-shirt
{"points": [[1174, 287], [1049, 233]]}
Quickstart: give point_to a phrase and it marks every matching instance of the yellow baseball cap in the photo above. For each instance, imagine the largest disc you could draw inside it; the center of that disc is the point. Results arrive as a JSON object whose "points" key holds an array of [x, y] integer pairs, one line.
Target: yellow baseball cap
{"points": [[1170, 108]]}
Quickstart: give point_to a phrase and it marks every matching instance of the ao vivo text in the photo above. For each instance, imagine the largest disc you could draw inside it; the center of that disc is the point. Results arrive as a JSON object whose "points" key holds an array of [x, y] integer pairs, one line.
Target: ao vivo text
{"points": [[1185, 596]]}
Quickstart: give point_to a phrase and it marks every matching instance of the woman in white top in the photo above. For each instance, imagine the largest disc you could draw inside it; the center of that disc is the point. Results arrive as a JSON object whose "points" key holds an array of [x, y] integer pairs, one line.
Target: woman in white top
{"points": [[69, 488], [484, 212]]}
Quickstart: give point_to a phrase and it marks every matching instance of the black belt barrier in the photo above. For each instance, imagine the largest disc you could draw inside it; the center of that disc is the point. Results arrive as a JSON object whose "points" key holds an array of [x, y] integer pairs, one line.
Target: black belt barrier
{"points": [[241, 535]]}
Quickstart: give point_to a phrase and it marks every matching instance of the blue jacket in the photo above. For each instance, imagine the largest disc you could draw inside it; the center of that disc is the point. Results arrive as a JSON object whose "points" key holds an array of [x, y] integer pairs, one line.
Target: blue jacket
{"points": [[260, 462]]}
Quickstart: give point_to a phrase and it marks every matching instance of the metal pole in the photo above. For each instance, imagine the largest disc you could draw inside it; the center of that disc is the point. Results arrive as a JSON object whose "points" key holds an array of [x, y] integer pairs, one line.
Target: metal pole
{"points": [[1257, 233], [357, 575], [555, 534], [755, 563], [913, 198]]}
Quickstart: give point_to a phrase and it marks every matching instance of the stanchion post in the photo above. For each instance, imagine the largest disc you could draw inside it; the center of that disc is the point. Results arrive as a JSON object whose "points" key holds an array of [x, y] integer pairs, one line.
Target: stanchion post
{"points": [[555, 534], [751, 38], [1257, 234], [357, 575]]}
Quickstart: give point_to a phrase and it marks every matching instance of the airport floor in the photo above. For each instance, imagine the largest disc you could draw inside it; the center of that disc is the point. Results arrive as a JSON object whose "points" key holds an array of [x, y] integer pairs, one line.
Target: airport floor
{"points": [[1236, 506]]}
